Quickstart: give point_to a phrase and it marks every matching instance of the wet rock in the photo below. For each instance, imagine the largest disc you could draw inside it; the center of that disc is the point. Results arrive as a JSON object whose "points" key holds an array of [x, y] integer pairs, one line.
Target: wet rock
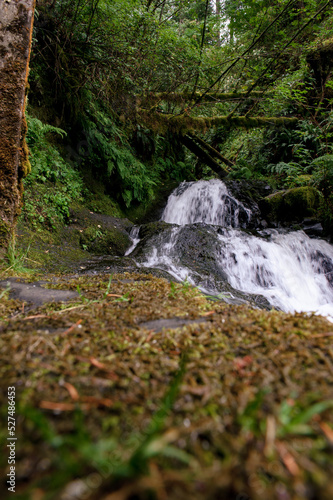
{"points": [[193, 250], [313, 228], [34, 293], [249, 193], [100, 240]]}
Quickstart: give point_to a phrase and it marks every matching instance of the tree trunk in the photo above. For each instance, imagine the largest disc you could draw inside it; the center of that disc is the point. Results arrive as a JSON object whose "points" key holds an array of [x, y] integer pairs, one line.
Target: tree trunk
{"points": [[203, 156], [213, 153], [16, 20], [183, 124]]}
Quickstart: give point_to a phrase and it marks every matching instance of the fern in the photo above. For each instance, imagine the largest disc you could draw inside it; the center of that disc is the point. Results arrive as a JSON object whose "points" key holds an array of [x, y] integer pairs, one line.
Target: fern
{"points": [[291, 168], [110, 151], [37, 131], [53, 183], [323, 172]]}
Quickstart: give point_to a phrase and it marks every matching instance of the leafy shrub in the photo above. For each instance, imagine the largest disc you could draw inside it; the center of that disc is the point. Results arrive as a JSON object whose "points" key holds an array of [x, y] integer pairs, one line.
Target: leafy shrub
{"points": [[53, 183], [111, 153]]}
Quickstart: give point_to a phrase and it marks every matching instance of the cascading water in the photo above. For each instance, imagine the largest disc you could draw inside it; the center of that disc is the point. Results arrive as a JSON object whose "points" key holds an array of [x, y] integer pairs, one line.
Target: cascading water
{"points": [[293, 271], [204, 201], [134, 235]]}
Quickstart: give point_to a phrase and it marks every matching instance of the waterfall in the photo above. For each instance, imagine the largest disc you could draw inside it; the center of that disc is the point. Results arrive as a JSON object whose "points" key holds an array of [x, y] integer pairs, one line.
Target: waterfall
{"points": [[292, 271], [204, 201]]}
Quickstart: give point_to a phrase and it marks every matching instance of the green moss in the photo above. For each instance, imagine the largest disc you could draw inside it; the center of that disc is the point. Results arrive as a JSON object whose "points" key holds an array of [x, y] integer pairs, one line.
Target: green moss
{"points": [[291, 205], [5, 233], [94, 382], [103, 204], [103, 241]]}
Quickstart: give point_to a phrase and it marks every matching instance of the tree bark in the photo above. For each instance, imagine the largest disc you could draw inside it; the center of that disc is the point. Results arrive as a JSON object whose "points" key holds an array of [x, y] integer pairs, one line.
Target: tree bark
{"points": [[203, 156], [183, 124], [16, 21], [212, 151]]}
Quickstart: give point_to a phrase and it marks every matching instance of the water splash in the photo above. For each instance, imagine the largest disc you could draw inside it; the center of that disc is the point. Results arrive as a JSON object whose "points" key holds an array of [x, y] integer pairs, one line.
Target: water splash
{"points": [[293, 271], [134, 235]]}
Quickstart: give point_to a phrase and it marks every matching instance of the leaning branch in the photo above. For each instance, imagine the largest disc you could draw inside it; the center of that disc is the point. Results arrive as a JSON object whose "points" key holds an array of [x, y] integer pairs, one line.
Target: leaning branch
{"points": [[203, 156], [212, 151]]}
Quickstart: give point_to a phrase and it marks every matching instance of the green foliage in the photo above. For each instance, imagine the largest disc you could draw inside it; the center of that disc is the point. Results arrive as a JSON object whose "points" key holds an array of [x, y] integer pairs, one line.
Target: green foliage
{"points": [[294, 420], [242, 170], [105, 59], [16, 258], [323, 173], [249, 419], [53, 183], [109, 150], [323, 179]]}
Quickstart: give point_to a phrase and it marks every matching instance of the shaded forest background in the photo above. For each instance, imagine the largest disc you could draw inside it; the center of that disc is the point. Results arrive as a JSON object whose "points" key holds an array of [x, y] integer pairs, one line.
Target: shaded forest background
{"points": [[116, 86]]}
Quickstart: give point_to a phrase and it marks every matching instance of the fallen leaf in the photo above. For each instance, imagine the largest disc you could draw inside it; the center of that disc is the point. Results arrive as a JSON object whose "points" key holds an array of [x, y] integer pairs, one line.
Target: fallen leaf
{"points": [[72, 391]]}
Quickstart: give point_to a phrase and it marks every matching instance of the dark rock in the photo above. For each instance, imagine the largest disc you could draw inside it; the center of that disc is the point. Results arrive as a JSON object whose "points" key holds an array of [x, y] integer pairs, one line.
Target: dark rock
{"points": [[313, 228], [102, 234], [249, 193], [153, 212], [34, 293], [195, 248]]}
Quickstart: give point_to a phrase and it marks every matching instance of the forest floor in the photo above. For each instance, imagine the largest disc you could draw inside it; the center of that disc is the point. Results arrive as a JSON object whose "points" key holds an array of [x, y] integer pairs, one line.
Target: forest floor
{"points": [[138, 388]]}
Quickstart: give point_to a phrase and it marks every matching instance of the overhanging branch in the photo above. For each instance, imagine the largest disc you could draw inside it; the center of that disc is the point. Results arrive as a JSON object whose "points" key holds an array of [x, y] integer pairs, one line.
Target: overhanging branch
{"points": [[182, 124]]}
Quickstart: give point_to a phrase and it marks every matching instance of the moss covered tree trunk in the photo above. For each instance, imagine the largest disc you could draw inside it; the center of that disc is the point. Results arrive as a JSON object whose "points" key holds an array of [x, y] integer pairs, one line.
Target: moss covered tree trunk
{"points": [[16, 20]]}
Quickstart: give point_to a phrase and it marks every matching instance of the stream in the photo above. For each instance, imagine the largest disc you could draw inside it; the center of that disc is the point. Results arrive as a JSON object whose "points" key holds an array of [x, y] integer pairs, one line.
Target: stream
{"points": [[206, 242]]}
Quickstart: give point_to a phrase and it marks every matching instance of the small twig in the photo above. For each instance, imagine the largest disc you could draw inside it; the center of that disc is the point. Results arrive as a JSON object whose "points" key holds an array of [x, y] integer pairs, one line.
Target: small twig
{"points": [[72, 391], [34, 317], [71, 328], [288, 459], [34, 261]]}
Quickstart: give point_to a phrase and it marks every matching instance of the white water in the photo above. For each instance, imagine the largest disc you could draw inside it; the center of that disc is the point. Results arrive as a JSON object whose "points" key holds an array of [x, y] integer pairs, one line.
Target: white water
{"points": [[293, 271], [289, 269], [203, 201], [134, 235]]}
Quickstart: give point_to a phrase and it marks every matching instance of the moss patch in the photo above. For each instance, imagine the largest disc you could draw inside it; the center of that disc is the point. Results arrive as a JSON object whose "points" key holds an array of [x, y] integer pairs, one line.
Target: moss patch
{"points": [[291, 205], [103, 241], [236, 406]]}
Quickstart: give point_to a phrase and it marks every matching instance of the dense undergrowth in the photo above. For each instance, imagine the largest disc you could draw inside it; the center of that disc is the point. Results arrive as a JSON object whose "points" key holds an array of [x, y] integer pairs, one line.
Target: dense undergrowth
{"points": [[98, 92]]}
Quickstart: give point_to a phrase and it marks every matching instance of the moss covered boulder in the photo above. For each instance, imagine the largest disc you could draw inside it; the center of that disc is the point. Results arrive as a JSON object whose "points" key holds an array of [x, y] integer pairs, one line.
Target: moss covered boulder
{"points": [[103, 241], [292, 205], [101, 234]]}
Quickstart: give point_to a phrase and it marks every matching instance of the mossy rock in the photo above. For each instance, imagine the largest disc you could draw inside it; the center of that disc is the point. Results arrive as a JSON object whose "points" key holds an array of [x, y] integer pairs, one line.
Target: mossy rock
{"points": [[152, 228], [103, 204], [102, 241], [143, 214], [292, 205]]}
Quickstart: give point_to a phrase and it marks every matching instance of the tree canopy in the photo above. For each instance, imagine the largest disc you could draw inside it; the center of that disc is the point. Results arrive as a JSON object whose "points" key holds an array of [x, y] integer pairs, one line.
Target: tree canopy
{"points": [[131, 80]]}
